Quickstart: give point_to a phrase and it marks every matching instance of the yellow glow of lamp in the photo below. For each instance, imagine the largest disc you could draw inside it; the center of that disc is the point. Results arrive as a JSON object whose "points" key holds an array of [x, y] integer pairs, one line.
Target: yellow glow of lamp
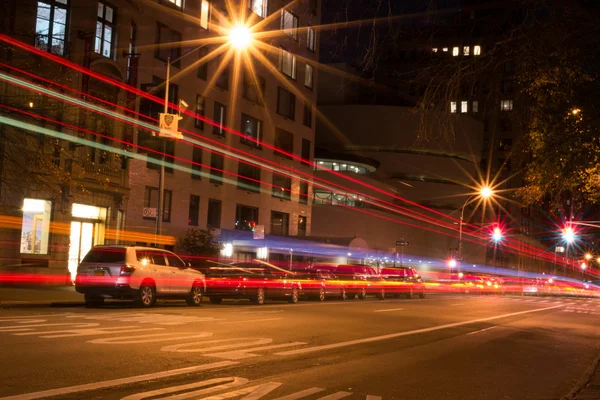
{"points": [[240, 37]]}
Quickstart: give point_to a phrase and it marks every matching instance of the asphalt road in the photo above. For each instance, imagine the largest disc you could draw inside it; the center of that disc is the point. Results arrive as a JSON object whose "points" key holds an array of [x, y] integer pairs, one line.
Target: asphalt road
{"points": [[441, 347]]}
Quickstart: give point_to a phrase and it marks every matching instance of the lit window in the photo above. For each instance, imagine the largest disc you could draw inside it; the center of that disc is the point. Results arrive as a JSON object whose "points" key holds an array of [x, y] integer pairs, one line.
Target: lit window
{"points": [[466, 50], [464, 106], [105, 23], [476, 50], [289, 24], [434, 50], [506, 105], [455, 51], [219, 116], [445, 49], [475, 106], [204, 14], [308, 76], [287, 63], [35, 228], [51, 26], [282, 187], [176, 2], [251, 129], [259, 7], [311, 38], [453, 107]]}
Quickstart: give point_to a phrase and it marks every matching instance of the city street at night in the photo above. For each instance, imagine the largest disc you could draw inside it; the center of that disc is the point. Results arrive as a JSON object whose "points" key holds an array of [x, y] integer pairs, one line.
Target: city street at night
{"points": [[445, 346]]}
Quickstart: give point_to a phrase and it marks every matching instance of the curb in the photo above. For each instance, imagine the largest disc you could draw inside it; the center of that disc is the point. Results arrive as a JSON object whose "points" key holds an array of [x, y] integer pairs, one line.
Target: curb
{"points": [[39, 304], [580, 387]]}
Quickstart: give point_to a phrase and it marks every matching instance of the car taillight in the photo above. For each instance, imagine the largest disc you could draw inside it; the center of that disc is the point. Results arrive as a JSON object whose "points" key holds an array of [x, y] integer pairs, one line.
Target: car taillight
{"points": [[126, 270]]}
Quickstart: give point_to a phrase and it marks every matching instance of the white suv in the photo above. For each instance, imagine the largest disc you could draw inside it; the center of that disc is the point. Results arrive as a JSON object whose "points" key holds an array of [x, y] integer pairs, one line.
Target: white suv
{"points": [[138, 273]]}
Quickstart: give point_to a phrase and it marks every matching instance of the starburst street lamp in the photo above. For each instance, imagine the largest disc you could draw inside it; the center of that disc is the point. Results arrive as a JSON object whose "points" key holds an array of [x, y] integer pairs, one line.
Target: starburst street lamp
{"points": [[240, 37], [485, 192]]}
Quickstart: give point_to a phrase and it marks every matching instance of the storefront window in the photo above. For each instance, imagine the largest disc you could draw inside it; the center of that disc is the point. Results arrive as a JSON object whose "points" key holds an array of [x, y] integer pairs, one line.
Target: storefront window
{"points": [[35, 230]]}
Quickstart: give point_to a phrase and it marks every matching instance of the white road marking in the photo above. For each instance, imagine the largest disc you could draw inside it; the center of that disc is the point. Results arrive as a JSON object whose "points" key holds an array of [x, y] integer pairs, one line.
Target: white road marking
{"points": [[24, 328], [481, 330], [88, 332], [156, 337], [260, 312], [369, 397], [118, 382], [249, 320], [335, 396], [298, 395], [457, 304], [407, 333], [222, 383], [145, 318], [389, 309], [247, 353], [183, 347]]}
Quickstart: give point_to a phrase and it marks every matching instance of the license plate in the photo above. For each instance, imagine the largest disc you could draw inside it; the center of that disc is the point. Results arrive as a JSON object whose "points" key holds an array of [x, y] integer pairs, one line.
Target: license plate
{"points": [[98, 273]]}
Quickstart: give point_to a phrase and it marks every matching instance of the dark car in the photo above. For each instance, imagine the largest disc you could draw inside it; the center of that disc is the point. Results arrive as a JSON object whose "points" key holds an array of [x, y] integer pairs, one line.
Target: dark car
{"points": [[358, 280], [248, 280], [403, 281], [320, 284]]}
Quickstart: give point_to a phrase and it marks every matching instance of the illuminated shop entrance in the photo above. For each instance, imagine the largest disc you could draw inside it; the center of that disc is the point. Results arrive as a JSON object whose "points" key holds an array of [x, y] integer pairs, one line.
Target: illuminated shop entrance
{"points": [[87, 230]]}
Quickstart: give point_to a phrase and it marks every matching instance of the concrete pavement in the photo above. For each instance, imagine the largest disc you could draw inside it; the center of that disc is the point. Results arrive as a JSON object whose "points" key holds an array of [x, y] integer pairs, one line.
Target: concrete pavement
{"points": [[441, 347], [39, 296]]}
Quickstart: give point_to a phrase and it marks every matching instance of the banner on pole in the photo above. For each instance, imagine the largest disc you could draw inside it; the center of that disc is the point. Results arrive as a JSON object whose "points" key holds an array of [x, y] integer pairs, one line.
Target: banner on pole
{"points": [[169, 126]]}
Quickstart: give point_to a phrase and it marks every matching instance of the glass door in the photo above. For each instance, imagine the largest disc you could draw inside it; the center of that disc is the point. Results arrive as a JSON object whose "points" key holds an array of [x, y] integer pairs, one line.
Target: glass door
{"points": [[82, 240]]}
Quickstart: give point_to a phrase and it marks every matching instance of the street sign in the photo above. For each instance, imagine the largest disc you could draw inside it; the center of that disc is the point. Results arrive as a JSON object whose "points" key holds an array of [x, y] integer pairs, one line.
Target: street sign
{"points": [[259, 232], [559, 249], [169, 126], [401, 243], [149, 212]]}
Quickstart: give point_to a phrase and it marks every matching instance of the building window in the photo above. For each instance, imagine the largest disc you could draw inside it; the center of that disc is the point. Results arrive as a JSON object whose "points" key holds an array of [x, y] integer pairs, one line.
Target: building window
{"points": [[476, 50], [131, 52], [246, 217], [455, 51], [254, 88], [204, 14], [311, 38], [251, 129], [194, 210], [505, 145], [219, 117], [248, 177], [196, 162], [280, 223], [453, 107], [466, 50], [305, 155], [307, 118], [217, 162], [203, 68], [506, 105], [151, 201], [105, 24], [308, 76], [51, 26], [286, 103], [282, 186], [464, 106], [222, 80], [284, 141], [445, 49], [171, 40], [198, 122], [303, 195], [259, 7], [289, 24], [302, 225], [313, 7], [287, 63], [176, 2], [475, 106], [434, 50], [213, 219], [506, 87], [35, 228]]}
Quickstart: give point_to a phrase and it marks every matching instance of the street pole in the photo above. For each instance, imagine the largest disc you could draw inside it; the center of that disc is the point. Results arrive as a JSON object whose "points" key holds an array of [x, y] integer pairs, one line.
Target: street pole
{"points": [[161, 173]]}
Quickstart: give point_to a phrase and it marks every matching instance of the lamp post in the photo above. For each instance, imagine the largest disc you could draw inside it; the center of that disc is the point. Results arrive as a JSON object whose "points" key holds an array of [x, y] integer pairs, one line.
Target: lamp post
{"points": [[583, 267], [485, 193]]}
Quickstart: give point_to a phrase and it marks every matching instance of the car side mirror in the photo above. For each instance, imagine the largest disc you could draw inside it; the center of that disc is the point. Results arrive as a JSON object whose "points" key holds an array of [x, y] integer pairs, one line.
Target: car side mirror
{"points": [[188, 265]]}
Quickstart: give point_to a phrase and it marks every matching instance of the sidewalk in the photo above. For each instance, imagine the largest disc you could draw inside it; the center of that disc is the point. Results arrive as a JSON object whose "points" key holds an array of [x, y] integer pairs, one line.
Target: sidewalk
{"points": [[588, 387], [40, 296]]}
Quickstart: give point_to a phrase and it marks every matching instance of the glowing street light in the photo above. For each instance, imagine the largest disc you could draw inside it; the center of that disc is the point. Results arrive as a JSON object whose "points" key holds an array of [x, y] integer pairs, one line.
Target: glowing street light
{"points": [[240, 37], [497, 234], [568, 234], [452, 263], [598, 260], [588, 256], [485, 192]]}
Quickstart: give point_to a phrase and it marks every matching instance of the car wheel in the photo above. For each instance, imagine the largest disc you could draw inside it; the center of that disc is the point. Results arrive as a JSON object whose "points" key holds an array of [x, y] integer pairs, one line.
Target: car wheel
{"points": [[93, 301], [343, 294], [322, 294], [259, 298], [215, 300], [146, 295], [194, 298], [294, 296], [381, 294], [363, 294]]}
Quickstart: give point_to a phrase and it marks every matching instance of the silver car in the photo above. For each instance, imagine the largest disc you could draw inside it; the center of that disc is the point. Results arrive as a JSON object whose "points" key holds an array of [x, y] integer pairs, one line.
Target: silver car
{"points": [[142, 274]]}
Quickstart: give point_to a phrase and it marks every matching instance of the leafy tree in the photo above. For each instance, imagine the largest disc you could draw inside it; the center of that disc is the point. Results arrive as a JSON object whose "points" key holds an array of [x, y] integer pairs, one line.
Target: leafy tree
{"points": [[200, 242]]}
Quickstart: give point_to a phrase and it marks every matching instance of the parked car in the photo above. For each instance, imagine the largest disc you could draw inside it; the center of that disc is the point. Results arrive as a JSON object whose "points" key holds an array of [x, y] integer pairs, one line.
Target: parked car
{"points": [[320, 284], [250, 280], [403, 281], [493, 285], [139, 273], [353, 278]]}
